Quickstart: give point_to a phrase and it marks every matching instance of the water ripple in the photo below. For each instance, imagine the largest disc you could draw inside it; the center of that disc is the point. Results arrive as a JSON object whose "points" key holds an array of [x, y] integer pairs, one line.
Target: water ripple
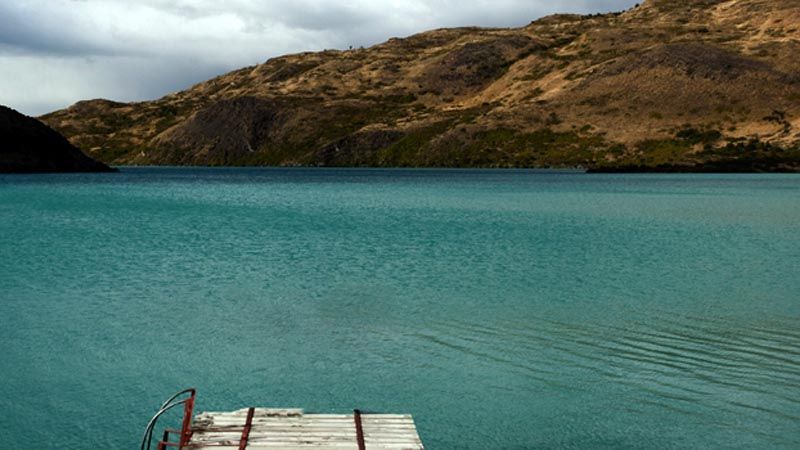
{"points": [[665, 363]]}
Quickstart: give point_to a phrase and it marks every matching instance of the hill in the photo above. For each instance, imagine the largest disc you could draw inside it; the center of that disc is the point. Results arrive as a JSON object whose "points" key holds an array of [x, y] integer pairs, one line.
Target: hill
{"points": [[667, 85], [27, 145]]}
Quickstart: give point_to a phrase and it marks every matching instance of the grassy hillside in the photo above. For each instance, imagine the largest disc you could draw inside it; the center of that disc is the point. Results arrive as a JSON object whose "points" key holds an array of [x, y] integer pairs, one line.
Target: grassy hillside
{"points": [[668, 85]]}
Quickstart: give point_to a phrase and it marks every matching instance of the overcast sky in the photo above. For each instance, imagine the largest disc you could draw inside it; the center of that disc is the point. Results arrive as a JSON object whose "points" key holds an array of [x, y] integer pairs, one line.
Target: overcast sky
{"points": [[56, 52]]}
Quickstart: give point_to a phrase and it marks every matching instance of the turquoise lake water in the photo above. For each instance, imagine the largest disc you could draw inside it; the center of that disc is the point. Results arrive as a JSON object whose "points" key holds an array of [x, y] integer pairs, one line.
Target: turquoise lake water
{"points": [[503, 309]]}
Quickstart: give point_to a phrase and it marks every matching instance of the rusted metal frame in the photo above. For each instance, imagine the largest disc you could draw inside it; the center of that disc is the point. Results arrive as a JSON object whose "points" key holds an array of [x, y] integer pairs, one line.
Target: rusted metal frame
{"points": [[186, 426], [246, 430], [164, 443], [185, 432], [148, 434], [359, 429]]}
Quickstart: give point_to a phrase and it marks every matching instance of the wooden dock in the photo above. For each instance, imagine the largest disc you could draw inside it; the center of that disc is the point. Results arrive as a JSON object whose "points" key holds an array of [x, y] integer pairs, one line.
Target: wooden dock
{"points": [[289, 429]]}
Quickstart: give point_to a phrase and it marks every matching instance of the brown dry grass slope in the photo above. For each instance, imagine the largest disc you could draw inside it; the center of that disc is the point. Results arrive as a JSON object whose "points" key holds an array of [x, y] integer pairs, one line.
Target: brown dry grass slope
{"points": [[668, 85]]}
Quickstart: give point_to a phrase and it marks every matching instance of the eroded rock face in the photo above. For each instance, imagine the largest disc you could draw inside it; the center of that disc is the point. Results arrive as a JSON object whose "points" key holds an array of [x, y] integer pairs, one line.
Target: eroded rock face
{"points": [[357, 149], [29, 146], [690, 59], [475, 65], [223, 133]]}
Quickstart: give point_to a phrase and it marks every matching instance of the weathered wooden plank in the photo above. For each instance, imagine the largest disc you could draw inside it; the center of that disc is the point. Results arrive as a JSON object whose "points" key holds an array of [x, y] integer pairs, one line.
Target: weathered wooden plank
{"points": [[376, 422], [314, 438], [313, 441], [202, 418], [281, 431], [258, 412], [301, 419], [325, 444], [370, 446], [294, 412], [265, 412], [264, 423], [404, 434], [397, 432], [292, 446], [328, 423], [290, 428], [300, 428], [278, 426], [310, 437], [310, 440], [274, 427], [297, 417], [231, 427]]}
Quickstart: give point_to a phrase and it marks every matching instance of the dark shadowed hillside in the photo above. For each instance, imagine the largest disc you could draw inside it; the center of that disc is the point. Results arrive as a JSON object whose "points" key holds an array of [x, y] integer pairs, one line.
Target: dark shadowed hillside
{"points": [[27, 145], [668, 85]]}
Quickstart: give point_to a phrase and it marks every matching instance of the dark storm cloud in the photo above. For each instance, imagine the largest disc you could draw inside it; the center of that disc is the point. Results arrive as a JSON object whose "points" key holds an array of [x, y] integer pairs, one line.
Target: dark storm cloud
{"points": [[24, 30], [55, 52]]}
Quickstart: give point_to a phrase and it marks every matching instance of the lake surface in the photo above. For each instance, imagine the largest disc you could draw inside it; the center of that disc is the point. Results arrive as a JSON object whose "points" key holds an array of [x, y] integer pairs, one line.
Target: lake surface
{"points": [[504, 309]]}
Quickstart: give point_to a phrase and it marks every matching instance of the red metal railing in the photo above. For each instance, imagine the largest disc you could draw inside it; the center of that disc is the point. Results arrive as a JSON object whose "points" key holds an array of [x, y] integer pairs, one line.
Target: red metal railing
{"points": [[185, 433]]}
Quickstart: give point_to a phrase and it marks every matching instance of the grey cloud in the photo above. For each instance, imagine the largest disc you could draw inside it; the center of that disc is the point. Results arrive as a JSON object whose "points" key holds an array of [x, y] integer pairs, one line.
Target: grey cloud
{"points": [[23, 30], [316, 16]]}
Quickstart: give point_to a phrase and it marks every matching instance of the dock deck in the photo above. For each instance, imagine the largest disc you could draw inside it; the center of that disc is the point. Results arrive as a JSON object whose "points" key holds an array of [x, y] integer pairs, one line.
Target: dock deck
{"points": [[257, 428], [288, 429]]}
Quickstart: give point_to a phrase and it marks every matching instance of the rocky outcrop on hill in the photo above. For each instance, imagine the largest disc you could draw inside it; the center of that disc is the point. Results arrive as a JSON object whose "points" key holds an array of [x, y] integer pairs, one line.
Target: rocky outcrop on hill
{"points": [[29, 146]]}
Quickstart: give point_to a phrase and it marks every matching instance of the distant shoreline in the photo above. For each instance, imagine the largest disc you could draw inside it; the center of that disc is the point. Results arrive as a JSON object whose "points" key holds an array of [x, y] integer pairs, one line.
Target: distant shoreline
{"points": [[562, 170]]}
